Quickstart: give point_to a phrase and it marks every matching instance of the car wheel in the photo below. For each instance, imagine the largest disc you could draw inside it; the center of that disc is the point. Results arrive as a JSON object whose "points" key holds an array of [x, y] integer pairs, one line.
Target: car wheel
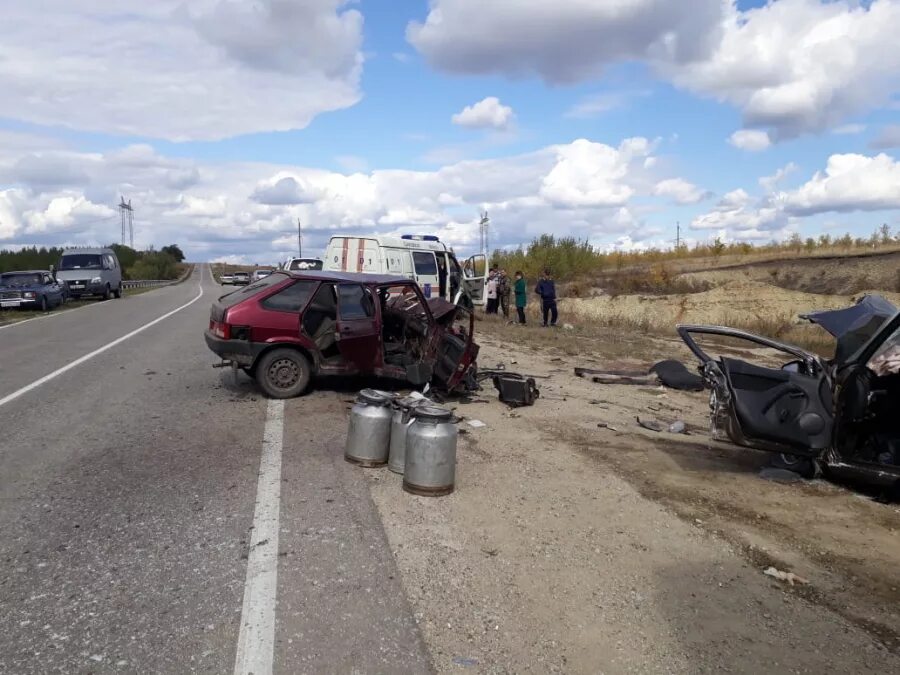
{"points": [[283, 373], [803, 466], [44, 306], [105, 295], [118, 292]]}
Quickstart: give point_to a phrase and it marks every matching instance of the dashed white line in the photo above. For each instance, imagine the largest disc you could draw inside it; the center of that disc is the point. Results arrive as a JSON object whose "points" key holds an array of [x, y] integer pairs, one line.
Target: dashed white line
{"points": [[87, 357], [256, 641]]}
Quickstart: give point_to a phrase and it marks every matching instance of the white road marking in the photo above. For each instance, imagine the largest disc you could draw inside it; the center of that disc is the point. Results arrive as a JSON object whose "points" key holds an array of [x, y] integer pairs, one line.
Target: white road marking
{"points": [[256, 642], [87, 357]]}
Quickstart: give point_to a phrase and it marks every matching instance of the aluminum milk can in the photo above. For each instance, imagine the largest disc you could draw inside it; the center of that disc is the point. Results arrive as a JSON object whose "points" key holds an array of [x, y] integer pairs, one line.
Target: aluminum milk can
{"points": [[404, 411], [369, 435], [431, 453]]}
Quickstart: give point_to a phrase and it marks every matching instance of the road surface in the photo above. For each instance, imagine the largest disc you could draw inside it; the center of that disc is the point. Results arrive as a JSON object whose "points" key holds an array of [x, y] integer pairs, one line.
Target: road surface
{"points": [[160, 516]]}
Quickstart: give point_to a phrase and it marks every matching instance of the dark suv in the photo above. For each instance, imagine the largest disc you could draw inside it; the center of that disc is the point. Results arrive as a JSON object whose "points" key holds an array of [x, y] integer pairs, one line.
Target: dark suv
{"points": [[289, 326]]}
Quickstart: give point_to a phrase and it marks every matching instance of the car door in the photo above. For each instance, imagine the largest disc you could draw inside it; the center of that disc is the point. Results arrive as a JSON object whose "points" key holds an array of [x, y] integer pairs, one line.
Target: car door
{"points": [[54, 291], [358, 331], [781, 409], [475, 276]]}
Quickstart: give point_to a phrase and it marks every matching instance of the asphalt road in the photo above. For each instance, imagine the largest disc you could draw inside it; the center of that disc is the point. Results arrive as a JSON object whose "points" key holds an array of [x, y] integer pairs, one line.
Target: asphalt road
{"points": [[138, 488]]}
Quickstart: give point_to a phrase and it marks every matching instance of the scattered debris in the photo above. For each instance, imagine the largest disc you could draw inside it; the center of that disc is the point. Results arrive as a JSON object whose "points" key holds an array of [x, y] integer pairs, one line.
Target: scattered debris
{"points": [[568, 326], [779, 475], [789, 577], [669, 373], [677, 427], [516, 390], [617, 377], [607, 425], [465, 662], [651, 424], [675, 375], [476, 424]]}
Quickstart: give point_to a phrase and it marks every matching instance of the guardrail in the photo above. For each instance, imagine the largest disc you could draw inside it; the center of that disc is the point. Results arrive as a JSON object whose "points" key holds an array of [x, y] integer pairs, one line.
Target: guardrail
{"points": [[144, 283]]}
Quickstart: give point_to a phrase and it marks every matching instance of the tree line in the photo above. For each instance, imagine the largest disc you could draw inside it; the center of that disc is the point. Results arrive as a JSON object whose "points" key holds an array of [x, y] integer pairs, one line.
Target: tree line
{"points": [[571, 258], [149, 264]]}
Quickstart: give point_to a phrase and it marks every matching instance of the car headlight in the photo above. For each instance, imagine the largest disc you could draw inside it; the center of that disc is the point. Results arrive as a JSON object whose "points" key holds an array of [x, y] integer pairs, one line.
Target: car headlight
{"points": [[97, 280], [28, 294]]}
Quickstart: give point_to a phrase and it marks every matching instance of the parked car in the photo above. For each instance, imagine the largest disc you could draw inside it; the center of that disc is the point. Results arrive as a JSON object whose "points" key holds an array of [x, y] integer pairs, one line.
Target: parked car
{"points": [[289, 327], [240, 278], [260, 274], [34, 289], [837, 414], [226, 279], [90, 272]]}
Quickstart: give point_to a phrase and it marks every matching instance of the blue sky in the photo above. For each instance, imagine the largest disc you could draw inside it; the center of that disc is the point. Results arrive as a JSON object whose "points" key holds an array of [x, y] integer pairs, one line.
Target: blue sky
{"points": [[203, 107]]}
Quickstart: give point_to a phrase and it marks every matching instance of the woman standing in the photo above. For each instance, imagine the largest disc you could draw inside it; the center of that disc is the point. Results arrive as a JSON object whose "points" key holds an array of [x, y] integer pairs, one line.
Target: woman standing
{"points": [[493, 300], [521, 291]]}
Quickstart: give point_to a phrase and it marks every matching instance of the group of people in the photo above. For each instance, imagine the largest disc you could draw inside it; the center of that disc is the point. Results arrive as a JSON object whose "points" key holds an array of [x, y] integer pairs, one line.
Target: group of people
{"points": [[500, 290]]}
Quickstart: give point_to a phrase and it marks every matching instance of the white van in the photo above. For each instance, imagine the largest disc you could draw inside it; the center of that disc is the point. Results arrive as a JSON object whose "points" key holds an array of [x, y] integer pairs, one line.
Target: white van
{"points": [[422, 257]]}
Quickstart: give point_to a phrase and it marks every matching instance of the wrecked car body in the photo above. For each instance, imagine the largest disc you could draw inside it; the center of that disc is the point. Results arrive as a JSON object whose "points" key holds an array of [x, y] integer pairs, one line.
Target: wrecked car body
{"points": [[292, 326], [835, 414]]}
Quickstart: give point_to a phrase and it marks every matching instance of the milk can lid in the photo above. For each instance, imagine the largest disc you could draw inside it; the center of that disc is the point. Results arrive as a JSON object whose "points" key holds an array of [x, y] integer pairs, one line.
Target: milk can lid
{"points": [[433, 413], [373, 397]]}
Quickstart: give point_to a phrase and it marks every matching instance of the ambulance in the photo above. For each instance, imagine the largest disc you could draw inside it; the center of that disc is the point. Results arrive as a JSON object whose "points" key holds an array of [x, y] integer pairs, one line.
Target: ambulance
{"points": [[422, 257]]}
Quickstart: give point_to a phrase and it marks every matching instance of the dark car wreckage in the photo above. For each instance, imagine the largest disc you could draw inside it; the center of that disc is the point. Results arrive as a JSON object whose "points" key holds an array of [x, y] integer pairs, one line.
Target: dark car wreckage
{"points": [[837, 414], [290, 326]]}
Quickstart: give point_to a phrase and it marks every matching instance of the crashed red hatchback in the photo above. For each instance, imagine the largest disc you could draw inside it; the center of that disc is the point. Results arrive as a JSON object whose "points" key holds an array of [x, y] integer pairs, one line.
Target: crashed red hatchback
{"points": [[291, 326]]}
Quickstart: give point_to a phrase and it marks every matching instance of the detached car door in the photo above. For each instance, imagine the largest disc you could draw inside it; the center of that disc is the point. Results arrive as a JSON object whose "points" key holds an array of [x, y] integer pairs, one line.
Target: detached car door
{"points": [[780, 409], [474, 276], [358, 329]]}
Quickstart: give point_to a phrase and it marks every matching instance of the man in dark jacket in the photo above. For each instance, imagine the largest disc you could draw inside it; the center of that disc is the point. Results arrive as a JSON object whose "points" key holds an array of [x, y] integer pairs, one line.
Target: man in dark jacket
{"points": [[546, 288]]}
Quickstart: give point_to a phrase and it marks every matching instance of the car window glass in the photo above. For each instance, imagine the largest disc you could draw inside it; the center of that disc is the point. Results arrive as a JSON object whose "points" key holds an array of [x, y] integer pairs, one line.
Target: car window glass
{"points": [[355, 302], [291, 299], [886, 361], [425, 264], [233, 298], [321, 314]]}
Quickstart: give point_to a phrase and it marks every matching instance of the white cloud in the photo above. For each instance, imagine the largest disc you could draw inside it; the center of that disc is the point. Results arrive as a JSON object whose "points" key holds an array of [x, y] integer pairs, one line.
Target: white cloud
{"points": [[791, 66], [849, 183], [888, 137], [560, 41], [849, 129], [752, 140], [680, 191], [178, 69], [770, 183], [598, 104], [488, 113]]}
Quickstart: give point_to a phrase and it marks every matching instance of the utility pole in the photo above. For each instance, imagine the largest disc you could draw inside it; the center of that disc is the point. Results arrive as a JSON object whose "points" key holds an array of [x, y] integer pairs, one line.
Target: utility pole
{"points": [[677, 235], [127, 218], [300, 237], [484, 223]]}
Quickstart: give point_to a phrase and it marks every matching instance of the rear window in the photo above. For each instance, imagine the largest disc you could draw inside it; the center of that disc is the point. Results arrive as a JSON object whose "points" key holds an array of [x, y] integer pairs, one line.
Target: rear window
{"points": [[231, 299], [305, 265], [425, 264], [291, 299]]}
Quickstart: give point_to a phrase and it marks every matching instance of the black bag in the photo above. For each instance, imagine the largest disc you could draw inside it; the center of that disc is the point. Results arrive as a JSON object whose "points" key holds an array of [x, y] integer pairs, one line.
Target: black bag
{"points": [[516, 390]]}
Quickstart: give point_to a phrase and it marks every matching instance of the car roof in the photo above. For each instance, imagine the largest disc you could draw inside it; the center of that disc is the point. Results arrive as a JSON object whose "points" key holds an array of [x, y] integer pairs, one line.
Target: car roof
{"points": [[88, 250], [356, 277]]}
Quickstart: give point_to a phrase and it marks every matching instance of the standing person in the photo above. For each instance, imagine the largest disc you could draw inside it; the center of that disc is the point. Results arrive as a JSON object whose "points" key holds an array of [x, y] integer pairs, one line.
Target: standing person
{"points": [[442, 276], [504, 290], [546, 288], [492, 301], [521, 296]]}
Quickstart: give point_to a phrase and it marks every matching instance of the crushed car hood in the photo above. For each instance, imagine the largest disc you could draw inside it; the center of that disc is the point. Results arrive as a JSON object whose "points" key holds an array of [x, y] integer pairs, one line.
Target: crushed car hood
{"points": [[853, 326]]}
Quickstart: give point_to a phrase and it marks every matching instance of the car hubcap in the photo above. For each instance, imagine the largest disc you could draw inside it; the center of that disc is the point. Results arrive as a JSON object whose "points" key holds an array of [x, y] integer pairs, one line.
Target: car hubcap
{"points": [[284, 373]]}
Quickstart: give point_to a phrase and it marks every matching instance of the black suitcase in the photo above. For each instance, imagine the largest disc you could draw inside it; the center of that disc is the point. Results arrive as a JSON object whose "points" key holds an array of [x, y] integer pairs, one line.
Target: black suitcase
{"points": [[516, 390]]}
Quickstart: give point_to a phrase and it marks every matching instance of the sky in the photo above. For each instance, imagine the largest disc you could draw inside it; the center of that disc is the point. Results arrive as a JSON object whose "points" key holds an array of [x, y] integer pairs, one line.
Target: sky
{"points": [[226, 121]]}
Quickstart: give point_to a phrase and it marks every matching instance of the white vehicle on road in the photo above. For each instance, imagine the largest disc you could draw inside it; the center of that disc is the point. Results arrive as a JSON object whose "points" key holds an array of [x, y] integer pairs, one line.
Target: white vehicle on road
{"points": [[261, 274], [424, 258]]}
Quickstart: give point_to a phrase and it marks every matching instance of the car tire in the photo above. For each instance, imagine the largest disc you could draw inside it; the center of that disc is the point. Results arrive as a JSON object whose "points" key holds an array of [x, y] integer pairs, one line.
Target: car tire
{"points": [[105, 295], [283, 373], [44, 305], [118, 292], [802, 466]]}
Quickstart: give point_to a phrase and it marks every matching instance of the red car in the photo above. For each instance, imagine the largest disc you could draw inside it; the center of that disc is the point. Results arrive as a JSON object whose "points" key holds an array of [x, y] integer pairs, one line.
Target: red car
{"points": [[290, 326]]}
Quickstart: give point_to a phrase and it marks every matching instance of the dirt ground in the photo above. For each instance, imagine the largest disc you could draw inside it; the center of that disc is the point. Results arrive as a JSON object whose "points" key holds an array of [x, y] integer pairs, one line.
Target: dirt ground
{"points": [[573, 547]]}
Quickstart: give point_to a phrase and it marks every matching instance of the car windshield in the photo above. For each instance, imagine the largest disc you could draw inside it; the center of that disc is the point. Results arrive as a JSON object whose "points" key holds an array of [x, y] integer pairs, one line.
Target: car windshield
{"points": [[19, 279], [80, 261]]}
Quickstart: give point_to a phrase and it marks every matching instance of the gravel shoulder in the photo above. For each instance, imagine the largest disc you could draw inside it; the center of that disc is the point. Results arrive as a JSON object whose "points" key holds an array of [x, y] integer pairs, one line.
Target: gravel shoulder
{"points": [[568, 547]]}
